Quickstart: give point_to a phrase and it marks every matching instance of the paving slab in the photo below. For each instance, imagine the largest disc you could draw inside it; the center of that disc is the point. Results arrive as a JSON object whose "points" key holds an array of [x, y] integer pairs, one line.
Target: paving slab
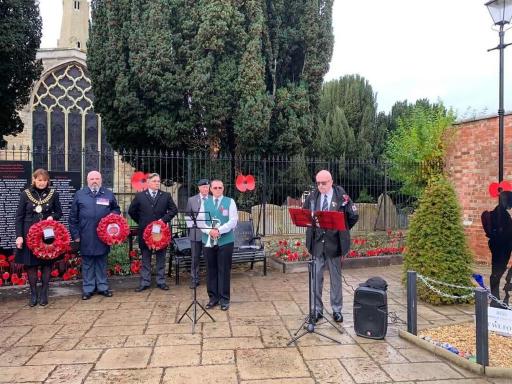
{"points": [[134, 338]]}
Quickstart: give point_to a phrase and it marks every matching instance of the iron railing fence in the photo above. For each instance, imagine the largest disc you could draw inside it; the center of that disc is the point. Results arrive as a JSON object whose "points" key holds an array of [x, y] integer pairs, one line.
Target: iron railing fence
{"points": [[281, 182]]}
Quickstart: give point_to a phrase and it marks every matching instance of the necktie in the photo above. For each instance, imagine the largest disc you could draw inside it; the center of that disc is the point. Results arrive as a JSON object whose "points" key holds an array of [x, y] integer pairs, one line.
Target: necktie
{"points": [[153, 194], [216, 203], [94, 192], [325, 206]]}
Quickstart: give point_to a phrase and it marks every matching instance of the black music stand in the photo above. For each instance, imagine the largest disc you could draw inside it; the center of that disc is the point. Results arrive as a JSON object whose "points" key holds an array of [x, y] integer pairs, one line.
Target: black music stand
{"points": [[315, 219], [194, 304]]}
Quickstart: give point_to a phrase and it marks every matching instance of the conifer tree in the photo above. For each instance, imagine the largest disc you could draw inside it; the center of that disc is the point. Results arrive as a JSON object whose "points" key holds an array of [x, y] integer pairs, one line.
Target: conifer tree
{"points": [[436, 245], [20, 37]]}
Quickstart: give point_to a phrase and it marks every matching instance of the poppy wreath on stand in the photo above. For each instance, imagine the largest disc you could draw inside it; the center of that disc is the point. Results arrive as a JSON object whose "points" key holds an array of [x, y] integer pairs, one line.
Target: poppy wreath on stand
{"points": [[48, 239], [157, 235], [113, 229]]}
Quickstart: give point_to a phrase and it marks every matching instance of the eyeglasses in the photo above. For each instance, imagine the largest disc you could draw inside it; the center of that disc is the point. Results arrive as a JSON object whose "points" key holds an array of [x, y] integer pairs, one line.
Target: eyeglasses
{"points": [[217, 187], [323, 182]]}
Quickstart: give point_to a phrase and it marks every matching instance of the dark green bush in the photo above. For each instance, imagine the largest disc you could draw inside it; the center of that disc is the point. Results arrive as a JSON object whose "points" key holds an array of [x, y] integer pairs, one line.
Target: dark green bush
{"points": [[436, 245]]}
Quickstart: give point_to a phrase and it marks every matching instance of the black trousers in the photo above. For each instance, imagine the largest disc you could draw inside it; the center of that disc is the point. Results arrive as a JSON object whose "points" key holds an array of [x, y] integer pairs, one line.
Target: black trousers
{"points": [[218, 261], [500, 251]]}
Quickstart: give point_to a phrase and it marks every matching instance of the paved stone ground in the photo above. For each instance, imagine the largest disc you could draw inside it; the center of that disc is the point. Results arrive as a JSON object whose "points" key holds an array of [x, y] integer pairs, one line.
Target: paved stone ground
{"points": [[134, 338]]}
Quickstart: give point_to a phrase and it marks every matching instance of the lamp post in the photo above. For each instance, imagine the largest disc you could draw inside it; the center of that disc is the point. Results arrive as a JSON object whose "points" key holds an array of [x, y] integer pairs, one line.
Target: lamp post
{"points": [[501, 13]]}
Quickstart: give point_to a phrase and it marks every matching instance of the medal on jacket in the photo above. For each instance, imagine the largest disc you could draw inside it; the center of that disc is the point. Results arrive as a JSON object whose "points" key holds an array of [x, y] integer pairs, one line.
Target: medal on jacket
{"points": [[39, 202]]}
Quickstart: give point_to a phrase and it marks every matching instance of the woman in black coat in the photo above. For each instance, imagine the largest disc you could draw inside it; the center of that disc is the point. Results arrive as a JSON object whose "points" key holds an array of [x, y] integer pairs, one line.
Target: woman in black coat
{"points": [[37, 203]]}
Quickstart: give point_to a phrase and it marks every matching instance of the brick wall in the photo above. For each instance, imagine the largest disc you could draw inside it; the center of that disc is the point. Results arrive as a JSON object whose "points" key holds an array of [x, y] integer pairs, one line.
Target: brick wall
{"points": [[472, 164]]}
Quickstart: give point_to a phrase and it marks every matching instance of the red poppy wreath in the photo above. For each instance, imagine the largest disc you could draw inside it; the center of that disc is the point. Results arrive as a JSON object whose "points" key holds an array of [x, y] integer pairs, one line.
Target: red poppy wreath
{"points": [[48, 239], [113, 229], [157, 235]]}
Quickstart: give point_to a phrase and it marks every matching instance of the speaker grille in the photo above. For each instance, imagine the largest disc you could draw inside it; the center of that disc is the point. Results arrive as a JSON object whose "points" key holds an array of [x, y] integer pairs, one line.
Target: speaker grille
{"points": [[370, 313]]}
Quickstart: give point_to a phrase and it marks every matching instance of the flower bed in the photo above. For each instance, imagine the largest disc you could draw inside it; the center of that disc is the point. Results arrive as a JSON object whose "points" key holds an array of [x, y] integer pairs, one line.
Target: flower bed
{"points": [[369, 249], [66, 268]]}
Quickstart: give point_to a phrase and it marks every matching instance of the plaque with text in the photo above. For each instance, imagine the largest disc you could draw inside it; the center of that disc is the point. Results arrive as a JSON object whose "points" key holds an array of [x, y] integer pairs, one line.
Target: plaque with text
{"points": [[14, 178], [66, 183]]}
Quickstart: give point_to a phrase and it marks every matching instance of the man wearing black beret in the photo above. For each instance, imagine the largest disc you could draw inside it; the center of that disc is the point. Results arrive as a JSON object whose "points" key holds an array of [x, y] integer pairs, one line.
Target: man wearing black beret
{"points": [[194, 232]]}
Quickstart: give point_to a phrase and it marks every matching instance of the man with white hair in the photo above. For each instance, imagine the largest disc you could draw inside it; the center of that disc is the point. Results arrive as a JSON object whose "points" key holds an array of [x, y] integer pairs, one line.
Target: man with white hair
{"points": [[329, 246], [89, 206]]}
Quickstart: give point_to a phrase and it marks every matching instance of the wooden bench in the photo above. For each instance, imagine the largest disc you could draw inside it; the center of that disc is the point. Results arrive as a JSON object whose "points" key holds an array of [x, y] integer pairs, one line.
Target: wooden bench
{"points": [[248, 249]]}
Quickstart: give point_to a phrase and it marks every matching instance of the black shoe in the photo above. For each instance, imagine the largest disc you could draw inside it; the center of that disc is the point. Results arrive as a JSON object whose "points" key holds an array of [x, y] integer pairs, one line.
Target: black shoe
{"points": [[163, 287], [86, 296], [318, 317], [141, 288], [224, 307], [32, 302], [193, 284], [106, 293], [338, 317], [211, 304]]}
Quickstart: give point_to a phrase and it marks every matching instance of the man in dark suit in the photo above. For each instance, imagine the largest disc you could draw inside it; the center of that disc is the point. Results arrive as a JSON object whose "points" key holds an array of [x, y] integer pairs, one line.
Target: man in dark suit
{"points": [[329, 246], [194, 231], [148, 206], [89, 206]]}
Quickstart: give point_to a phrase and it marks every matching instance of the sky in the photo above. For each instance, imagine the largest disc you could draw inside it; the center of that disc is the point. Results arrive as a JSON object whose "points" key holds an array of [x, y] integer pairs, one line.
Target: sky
{"points": [[406, 49]]}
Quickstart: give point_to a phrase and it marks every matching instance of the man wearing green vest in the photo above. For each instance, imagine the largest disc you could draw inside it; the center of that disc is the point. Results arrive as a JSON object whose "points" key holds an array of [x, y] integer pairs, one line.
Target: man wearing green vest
{"points": [[220, 216]]}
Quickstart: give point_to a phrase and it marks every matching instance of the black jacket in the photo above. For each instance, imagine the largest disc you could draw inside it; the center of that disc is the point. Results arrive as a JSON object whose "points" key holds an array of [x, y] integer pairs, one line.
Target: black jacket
{"points": [[333, 243], [144, 209], [26, 216]]}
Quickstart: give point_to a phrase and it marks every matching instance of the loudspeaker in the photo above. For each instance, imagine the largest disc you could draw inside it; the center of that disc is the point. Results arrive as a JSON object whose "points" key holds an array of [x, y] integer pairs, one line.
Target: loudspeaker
{"points": [[370, 313]]}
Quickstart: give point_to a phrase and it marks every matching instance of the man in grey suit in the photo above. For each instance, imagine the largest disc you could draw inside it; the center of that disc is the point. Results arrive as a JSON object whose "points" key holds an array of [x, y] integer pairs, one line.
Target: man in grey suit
{"points": [[329, 246], [194, 232]]}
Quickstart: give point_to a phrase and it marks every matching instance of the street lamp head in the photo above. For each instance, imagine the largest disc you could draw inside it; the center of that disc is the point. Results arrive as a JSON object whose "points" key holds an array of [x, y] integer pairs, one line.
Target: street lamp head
{"points": [[500, 10]]}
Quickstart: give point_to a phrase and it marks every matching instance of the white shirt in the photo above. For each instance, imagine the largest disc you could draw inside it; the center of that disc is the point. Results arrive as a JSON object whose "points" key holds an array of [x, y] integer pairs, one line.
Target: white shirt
{"points": [[224, 228], [329, 199]]}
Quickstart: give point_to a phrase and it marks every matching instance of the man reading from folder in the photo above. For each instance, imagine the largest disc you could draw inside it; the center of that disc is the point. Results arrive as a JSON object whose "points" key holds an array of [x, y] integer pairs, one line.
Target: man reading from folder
{"points": [[328, 246]]}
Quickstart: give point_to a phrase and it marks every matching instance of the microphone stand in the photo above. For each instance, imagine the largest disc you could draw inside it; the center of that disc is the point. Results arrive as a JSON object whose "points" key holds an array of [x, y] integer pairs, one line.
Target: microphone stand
{"points": [[309, 323], [194, 304]]}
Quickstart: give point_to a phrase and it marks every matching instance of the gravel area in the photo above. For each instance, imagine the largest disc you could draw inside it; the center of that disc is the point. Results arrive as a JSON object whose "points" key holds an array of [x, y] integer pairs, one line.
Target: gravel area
{"points": [[462, 336]]}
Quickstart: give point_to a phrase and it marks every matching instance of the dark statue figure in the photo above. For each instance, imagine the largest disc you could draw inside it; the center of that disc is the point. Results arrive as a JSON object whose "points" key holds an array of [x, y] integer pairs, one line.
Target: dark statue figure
{"points": [[497, 225]]}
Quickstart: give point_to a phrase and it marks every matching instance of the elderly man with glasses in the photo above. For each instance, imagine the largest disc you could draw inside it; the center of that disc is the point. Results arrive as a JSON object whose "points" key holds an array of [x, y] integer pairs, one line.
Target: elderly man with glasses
{"points": [[148, 206], [329, 246], [220, 215]]}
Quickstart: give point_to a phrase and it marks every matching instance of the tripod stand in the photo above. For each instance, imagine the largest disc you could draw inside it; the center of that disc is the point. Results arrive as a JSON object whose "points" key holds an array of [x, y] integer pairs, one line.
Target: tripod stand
{"points": [[301, 218], [194, 304]]}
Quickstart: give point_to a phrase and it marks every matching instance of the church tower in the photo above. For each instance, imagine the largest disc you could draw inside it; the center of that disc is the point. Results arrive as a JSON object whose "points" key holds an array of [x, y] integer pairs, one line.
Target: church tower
{"points": [[74, 29]]}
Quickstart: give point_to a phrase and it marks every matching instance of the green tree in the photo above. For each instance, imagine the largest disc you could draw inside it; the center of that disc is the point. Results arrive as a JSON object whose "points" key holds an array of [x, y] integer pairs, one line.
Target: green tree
{"points": [[416, 148], [436, 245], [355, 97], [225, 75], [20, 37]]}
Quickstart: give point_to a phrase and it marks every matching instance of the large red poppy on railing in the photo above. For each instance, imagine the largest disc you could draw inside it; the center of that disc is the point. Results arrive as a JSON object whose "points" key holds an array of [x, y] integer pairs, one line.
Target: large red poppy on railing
{"points": [[245, 183], [139, 181]]}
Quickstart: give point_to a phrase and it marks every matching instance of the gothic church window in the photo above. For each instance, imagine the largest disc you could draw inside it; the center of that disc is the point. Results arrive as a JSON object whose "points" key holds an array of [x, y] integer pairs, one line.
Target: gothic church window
{"points": [[67, 133]]}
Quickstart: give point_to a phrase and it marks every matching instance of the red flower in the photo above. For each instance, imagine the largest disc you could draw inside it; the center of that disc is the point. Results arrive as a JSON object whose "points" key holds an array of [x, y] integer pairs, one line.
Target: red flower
{"points": [[5, 275], [113, 229], [117, 268], [1, 282], [165, 236], [55, 273], [298, 244], [22, 281], [285, 243], [4, 263], [133, 253], [39, 274], [3, 257], [66, 276], [14, 280], [48, 251], [11, 259]]}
